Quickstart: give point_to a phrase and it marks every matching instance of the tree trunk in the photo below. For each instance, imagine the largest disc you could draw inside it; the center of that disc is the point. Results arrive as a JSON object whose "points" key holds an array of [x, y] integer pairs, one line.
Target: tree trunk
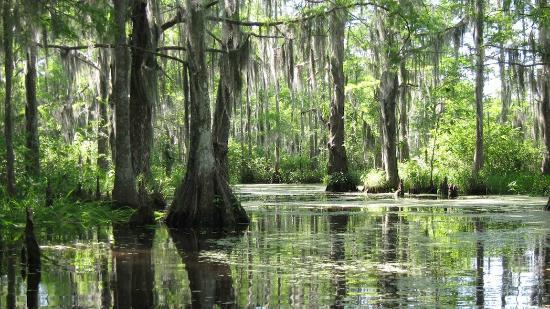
{"points": [[229, 87], [204, 198], [544, 37], [124, 191], [8, 122], [186, 99], [32, 158], [337, 159], [222, 115], [103, 123], [480, 55], [276, 177], [143, 85], [248, 116], [388, 99], [112, 117], [403, 117], [505, 89]]}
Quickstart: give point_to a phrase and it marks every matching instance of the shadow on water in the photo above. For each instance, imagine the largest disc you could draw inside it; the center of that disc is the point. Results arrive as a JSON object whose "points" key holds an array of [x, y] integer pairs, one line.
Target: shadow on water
{"points": [[133, 268], [210, 281]]}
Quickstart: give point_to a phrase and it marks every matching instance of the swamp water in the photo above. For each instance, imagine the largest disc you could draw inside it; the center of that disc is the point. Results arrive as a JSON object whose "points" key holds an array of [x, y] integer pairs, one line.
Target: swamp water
{"points": [[305, 248]]}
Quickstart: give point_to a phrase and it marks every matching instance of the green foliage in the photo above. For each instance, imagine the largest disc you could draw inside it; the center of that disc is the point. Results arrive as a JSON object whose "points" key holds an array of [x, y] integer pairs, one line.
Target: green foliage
{"points": [[259, 167], [64, 216], [415, 173], [340, 180], [374, 178]]}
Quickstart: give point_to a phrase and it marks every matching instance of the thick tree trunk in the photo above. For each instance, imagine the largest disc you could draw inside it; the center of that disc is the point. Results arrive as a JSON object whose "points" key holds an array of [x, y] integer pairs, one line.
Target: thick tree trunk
{"points": [[229, 88], [204, 198], [480, 56], [124, 191], [388, 100], [222, 115], [186, 103], [337, 159], [403, 117], [143, 85], [103, 122], [544, 37], [8, 121], [32, 158]]}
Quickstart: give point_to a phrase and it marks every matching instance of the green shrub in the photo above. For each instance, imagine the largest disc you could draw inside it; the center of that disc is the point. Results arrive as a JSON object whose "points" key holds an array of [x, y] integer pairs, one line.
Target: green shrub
{"points": [[374, 178]]}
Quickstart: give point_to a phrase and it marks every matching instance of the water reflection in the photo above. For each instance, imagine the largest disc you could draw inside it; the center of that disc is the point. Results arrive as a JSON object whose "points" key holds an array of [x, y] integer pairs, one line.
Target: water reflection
{"points": [[209, 280], [338, 226], [348, 252], [134, 271], [546, 272], [387, 282], [33, 281], [10, 301], [480, 255]]}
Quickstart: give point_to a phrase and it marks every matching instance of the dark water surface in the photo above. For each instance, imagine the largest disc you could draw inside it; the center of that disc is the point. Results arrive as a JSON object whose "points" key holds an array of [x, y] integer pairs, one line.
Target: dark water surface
{"points": [[305, 248]]}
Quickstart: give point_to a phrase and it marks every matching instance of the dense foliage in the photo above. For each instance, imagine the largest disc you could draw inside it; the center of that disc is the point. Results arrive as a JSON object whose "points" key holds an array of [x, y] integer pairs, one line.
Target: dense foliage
{"points": [[282, 93]]}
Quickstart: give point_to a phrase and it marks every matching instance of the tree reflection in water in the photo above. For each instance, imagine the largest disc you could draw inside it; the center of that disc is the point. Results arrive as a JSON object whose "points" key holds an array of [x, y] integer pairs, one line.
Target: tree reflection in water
{"points": [[387, 282], [133, 268], [338, 226], [480, 255], [12, 255], [210, 281]]}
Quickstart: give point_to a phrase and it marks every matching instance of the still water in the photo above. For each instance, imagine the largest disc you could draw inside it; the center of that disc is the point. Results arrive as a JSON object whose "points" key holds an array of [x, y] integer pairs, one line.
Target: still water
{"points": [[305, 248]]}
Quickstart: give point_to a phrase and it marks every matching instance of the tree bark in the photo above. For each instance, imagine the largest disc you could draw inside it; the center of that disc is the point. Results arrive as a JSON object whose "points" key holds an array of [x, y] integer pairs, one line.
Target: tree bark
{"points": [[103, 123], [480, 55], [143, 85], [229, 88], [388, 100], [544, 38], [222, 120], [186, 100], [204, 198], [32, 158], [124, 191], [403, 117], [8, 121], [248, 116], [505, 89], [337, 159]]}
